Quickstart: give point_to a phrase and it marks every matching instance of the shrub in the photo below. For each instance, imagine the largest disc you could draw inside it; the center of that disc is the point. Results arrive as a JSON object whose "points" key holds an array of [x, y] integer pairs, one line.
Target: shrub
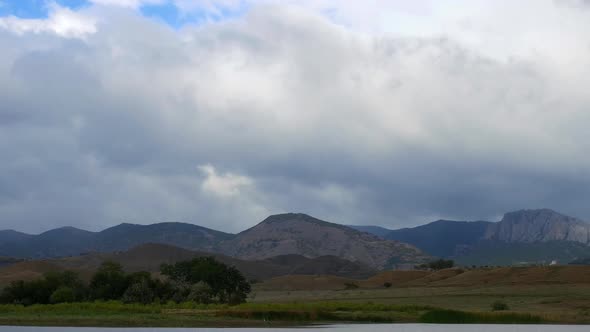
{"points": [[140, 292], [201, 292], [63, 295], [499, 306], [387, 284], [351, 285]]}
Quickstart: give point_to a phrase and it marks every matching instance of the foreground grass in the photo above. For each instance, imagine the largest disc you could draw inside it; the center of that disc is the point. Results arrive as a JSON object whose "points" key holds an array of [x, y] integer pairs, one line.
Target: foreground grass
{"points": [[249, 314], [444, 316]]}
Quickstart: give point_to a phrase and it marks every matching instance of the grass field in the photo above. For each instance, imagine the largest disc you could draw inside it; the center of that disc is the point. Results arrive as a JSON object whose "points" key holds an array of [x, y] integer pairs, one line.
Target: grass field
{"points": [[250, 314], [553, 303]]}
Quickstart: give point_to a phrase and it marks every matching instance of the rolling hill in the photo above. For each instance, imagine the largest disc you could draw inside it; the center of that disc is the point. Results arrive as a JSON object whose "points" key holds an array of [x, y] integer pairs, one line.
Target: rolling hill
{"points": [[503, 276]]}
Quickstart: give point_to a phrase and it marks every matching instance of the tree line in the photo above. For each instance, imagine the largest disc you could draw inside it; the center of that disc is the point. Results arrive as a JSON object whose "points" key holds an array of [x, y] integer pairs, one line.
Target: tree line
{"points": [[202, 280], [436, 265]]}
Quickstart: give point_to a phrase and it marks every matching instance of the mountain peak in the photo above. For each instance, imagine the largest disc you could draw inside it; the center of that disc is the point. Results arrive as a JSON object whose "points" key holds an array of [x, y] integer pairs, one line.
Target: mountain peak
{"points": [[535, 213], [288, 217], [65, 230], [537, 216], [299, 233], [539, 225], [295, 220]]}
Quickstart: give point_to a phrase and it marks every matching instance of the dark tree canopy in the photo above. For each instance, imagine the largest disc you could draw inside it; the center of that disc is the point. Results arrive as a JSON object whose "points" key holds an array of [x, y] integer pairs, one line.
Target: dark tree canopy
{"points": [[202, 280], [438, 264], [109, 282], [67, 284], [226, 282]]}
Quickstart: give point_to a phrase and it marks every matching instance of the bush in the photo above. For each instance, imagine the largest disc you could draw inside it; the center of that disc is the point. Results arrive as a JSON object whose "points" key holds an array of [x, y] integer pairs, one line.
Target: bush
{"points": [[387, 284], [351, 285], [140, 292], [499, 306], [63, 295], [441, 264], [201, 292]]}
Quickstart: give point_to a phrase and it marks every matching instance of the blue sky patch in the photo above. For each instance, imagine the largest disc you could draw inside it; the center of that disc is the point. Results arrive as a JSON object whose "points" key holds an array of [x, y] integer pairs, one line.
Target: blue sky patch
{"points": [[167, 12], [35, 8]]}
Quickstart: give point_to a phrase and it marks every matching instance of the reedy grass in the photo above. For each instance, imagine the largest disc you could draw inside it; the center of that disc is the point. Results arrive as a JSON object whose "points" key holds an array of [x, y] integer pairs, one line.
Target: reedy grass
{"points": [[444, 316], [114, 313]]}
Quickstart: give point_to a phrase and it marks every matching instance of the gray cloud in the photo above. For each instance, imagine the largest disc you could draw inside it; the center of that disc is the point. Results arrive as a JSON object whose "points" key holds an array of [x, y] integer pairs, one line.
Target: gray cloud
{"points": [[281, 110]]}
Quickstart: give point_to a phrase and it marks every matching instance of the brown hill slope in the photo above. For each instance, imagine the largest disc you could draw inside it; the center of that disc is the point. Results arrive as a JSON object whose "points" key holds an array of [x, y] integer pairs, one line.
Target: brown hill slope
{"points": [[150, 257], [520, 276], [296, 233]]}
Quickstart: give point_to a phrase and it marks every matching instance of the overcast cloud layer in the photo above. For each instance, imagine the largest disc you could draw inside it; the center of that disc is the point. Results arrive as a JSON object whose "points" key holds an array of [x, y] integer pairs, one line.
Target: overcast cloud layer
{"points": [[386, 113]]}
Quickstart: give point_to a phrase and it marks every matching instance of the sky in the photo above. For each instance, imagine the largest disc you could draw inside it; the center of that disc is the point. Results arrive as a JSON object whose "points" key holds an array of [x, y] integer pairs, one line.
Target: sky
{"points": [[220, 113]]}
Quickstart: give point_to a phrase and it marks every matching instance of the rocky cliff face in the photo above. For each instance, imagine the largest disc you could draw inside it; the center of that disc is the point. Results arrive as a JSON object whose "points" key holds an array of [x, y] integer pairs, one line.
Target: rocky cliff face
{"points": [[295, 233], [542, 225]]}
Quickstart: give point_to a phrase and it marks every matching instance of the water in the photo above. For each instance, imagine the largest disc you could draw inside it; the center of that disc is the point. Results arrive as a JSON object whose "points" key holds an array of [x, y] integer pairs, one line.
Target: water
{"points": [[331, 328]]}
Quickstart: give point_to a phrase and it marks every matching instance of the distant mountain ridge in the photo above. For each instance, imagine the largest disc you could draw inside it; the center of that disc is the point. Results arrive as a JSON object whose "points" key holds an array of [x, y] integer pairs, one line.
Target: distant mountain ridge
{"points": [[521, 237], [70, 241], [278, 235], [443, 238], [375, 230]]}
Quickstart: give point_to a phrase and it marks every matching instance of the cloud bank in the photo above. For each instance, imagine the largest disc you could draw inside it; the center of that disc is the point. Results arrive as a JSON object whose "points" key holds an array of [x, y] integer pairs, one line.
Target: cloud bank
{"points": [[424, 112]]}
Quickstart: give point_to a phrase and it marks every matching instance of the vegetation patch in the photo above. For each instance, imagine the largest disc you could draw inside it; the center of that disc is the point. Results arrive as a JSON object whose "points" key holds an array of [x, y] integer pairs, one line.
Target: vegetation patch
{"points": [[499, 306], [443, 316]]}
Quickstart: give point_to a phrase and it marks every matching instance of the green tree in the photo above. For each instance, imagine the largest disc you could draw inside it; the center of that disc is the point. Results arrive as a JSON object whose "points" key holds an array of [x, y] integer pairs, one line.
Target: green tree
{"points": [[227, 284], [139, 292], [109, 282], [438, 264], [201, 292], [63, 294], [40, 291]]}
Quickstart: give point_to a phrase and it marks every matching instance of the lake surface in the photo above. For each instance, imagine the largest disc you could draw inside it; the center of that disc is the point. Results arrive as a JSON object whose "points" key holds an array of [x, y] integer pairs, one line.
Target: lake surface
{"points": [[331, 328]]}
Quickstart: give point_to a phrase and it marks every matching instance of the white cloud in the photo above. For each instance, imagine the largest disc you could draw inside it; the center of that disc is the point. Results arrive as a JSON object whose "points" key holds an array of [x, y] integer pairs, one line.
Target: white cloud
{"points": [[319, 113], [61, 21], [223, 185]]}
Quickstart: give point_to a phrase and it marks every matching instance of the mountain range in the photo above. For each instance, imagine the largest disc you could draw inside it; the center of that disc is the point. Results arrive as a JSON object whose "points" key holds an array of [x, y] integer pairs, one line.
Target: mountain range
{"points": [[521, 237], [284, 234]]}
